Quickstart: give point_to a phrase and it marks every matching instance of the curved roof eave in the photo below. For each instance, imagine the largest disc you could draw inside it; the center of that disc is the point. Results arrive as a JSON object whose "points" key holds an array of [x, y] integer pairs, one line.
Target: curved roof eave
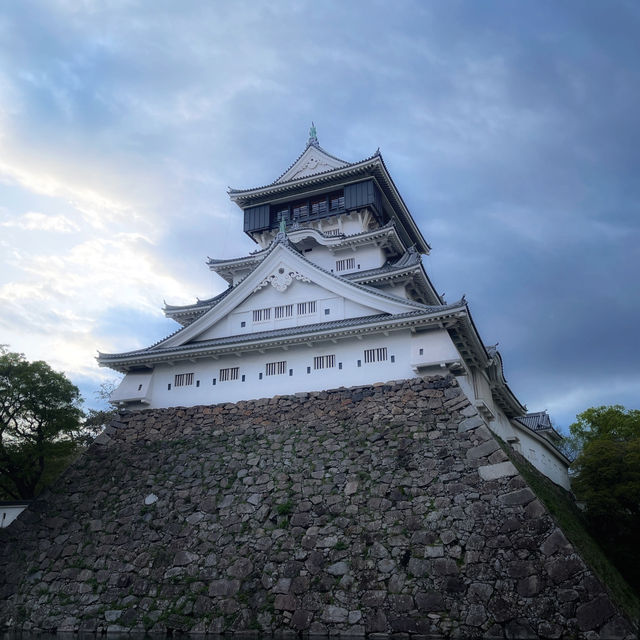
{"points": [[300, 334], [274, 187], [376, 161]]}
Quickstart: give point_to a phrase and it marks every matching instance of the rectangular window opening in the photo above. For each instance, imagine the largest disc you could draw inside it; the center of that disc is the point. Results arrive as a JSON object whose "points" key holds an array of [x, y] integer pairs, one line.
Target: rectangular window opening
{"points": [[276, 368], [228, 374], [261, 315], [345, 264], [375, 355], [306, 308], [324, 362], [283, 311], [183, 379]]}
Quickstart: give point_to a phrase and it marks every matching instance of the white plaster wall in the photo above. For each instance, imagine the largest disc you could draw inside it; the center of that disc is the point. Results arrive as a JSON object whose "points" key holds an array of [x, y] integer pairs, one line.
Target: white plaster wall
{"points": [[541, 454], [329, 307], [347, 351], [543, 458], [8, 513], [365, 257], [436, 346], [136, 385]]}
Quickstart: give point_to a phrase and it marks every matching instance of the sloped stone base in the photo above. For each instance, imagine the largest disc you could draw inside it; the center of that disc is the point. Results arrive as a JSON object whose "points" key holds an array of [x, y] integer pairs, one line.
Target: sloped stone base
{"points": [[357, 511]]}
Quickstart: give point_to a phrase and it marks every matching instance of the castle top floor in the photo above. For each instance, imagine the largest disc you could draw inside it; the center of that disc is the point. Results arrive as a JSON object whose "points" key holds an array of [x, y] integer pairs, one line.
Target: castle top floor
{"points": [[330, 195]]}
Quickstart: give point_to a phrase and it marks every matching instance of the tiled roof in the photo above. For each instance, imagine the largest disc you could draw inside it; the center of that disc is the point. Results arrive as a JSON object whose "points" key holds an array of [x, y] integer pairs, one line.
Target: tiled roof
{"points": [[538, 421], [276, 182], [200, 304], [320, 327]]}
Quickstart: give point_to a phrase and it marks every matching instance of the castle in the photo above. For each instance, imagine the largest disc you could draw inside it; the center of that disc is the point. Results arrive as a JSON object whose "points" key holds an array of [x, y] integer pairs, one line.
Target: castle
{"points": [[335, 295]]}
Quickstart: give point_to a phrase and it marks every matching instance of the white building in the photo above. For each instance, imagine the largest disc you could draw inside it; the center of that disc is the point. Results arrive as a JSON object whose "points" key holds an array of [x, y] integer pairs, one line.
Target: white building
{"points": [[9, 511], [335, 296]]}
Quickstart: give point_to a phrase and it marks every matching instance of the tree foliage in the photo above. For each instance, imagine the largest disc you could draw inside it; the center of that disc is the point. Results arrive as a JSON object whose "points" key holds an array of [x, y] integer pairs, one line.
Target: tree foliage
{"points": [[40, 423], [607, 480], [614, 423]]}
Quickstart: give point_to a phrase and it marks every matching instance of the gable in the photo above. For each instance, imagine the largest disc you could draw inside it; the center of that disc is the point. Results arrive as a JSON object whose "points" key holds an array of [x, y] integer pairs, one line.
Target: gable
{"points": [[282, 269], [301, 303], [313, 160]]}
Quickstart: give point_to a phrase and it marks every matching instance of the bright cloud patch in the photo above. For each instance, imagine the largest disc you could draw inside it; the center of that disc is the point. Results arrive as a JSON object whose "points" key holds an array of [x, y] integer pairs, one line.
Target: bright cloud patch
{"points": [[34, 221]]}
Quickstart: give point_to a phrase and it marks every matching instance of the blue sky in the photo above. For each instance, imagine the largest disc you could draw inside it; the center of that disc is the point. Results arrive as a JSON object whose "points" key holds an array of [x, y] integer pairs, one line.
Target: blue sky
{"points": [[511, 130]]}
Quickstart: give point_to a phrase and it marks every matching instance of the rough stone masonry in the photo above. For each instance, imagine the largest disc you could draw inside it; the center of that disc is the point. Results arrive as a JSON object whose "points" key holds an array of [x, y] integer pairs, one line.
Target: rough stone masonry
{"points": [[385, 509]]}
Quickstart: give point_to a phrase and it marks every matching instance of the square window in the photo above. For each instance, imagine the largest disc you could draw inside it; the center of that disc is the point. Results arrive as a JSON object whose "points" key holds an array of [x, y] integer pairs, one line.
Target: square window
{"points": [[243, 324], [327, 312]]}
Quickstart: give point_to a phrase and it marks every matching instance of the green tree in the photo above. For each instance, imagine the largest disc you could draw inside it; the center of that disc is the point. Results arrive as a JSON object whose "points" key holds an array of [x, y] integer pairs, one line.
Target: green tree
{"points": [[607, 481], [40, 424], [612, 422]]}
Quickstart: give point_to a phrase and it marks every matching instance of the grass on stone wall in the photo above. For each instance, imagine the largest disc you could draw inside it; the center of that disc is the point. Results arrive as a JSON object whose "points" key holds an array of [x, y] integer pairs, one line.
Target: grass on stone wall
{"points": [[570, 519]]}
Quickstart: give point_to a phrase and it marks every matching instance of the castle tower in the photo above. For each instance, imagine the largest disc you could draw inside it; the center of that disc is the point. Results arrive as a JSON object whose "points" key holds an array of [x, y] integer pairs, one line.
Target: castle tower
{"points": [[335, 295]]}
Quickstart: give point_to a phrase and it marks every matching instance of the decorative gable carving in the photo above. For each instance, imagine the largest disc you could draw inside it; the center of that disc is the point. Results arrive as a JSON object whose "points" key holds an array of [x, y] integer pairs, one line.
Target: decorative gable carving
{"points": [[313, 160], [281, 279]]}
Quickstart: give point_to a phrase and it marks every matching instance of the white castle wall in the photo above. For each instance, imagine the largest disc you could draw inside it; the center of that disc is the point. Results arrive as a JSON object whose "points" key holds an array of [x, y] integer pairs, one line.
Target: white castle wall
{"points": [[329, 308], [365, 257], [350, 369], [540, 453]]}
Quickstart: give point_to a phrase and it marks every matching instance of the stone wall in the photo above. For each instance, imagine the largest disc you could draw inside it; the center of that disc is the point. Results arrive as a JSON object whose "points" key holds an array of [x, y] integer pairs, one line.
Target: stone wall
{"points": [[378, 509]]}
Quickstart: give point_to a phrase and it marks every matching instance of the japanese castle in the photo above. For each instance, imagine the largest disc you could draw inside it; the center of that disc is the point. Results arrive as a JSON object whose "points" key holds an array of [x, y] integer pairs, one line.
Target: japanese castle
{"points": [[335, 295]]}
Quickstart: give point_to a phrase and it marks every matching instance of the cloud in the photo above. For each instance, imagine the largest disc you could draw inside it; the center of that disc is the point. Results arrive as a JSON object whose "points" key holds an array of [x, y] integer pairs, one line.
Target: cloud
{"points": [[512, 135], [34, 221]]}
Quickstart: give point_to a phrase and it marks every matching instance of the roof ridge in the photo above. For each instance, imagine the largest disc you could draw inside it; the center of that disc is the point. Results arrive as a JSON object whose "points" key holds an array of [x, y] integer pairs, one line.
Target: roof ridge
{"points": [[347, 165]]}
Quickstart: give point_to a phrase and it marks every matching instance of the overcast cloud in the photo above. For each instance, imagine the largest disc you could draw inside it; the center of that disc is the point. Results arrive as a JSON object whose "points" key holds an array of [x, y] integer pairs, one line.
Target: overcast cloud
{"points": [[511, 130]]}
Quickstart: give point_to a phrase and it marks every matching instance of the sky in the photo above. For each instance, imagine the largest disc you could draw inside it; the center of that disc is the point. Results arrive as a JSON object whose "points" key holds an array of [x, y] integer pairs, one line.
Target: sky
{"points": [[512, 131]]}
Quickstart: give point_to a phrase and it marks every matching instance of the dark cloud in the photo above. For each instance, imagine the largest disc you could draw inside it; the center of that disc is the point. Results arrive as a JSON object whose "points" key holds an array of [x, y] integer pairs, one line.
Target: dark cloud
{"points": [[511, 131]]}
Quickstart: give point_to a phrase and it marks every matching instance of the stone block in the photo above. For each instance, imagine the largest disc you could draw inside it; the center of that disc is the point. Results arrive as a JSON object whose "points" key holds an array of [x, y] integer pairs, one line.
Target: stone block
{"points": [[497, 471], [470, 423], [562, 569], [556, 541], [482, 450], [285, 602], [429, 601], [241, 568], [592, 615], [476, 615], [335, 614], [338, 568], [518, 497], [301, 619], [224, 587]]}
